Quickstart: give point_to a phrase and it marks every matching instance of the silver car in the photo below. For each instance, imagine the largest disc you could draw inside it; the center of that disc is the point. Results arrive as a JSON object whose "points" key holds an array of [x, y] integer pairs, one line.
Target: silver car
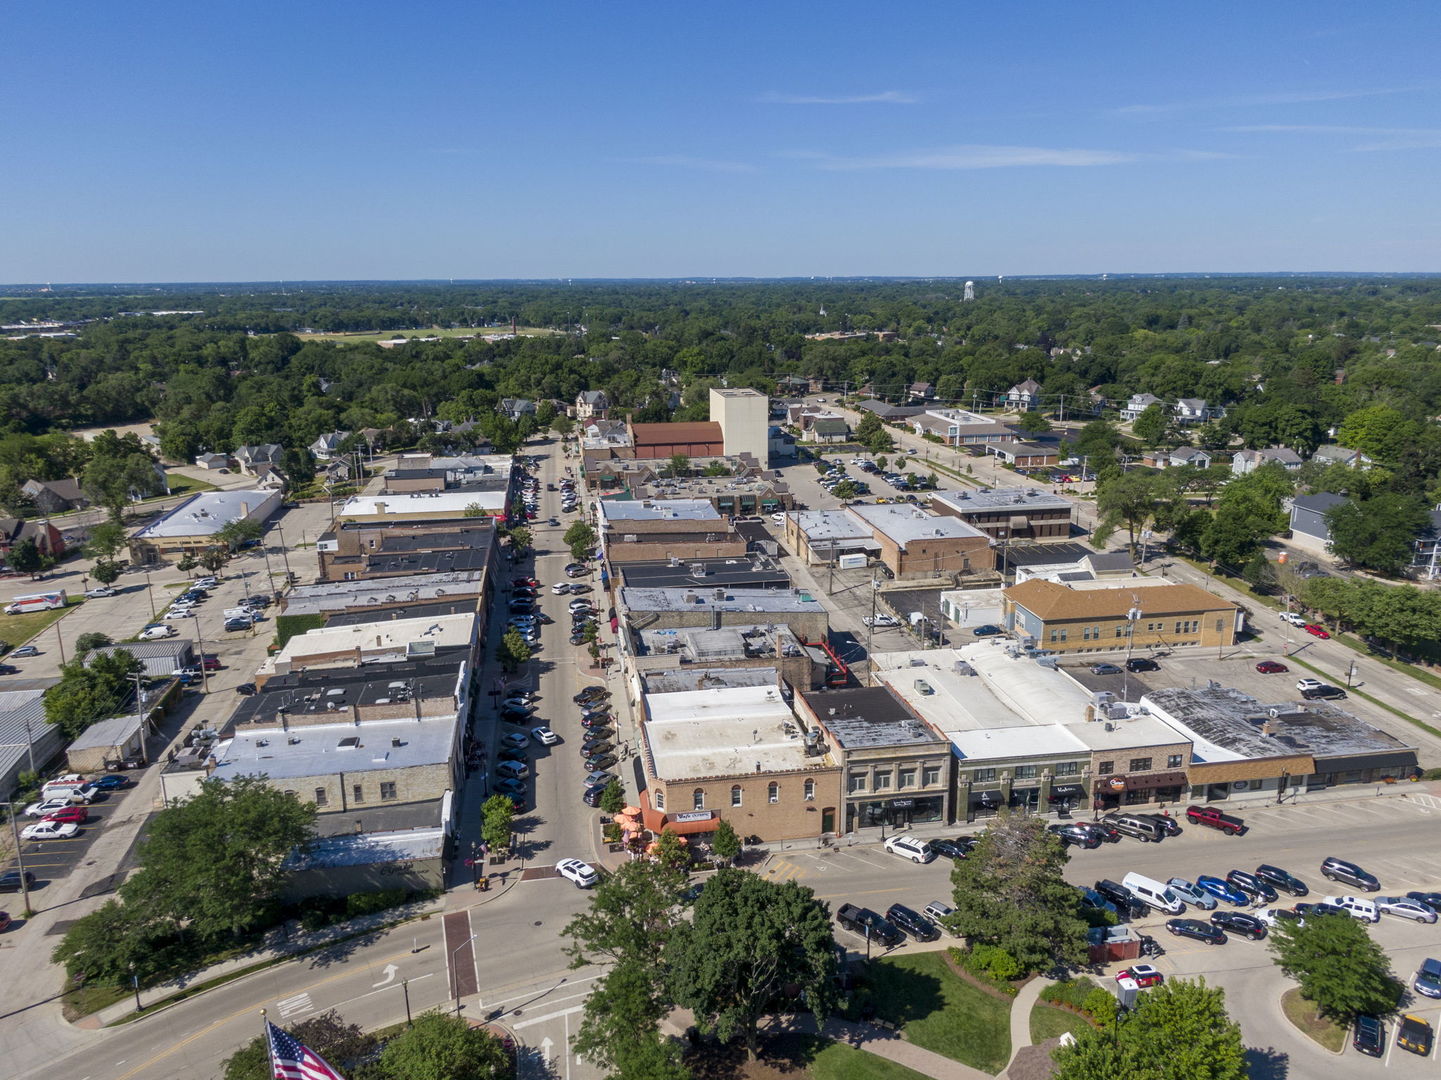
{"points": [[1405, 907], [1192, 894]]}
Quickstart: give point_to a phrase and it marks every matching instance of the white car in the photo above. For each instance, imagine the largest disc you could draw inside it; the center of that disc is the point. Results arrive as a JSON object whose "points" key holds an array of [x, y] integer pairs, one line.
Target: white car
{"points": [[178, 613], [94, 594], [779, 519], [580, 605], [155, 633], [515, 739], [47, 806], [544, 736], [1308, 684], [560, 588], [1271, 916], [206, 582], [881, 620], [910, 847], [577, 872], [1293, 618], [1358, 906], [49, 830], [513, 770]]}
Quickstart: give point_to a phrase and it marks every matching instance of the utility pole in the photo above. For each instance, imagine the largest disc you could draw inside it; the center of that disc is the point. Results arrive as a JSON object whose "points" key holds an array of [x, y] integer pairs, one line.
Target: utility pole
{"points": [[19, 862]]}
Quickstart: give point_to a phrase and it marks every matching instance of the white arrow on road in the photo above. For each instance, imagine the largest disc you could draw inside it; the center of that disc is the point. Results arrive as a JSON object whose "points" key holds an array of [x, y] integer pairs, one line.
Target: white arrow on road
{"points": [[390, 970], [547, 1044]]}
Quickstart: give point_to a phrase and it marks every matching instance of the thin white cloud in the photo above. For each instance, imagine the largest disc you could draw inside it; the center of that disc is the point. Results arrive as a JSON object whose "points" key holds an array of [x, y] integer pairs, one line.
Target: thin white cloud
{"points": [[1302, 97], [885, 97], [972, 157], [682, 161], [1377, 138]]}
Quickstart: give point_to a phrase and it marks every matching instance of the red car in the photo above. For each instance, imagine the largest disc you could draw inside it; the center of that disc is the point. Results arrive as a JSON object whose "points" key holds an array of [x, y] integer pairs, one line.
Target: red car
{"points": [[1144, 974], [532, 582], [74, 814], [1272, 667], [212, 663], [1317, 631]]}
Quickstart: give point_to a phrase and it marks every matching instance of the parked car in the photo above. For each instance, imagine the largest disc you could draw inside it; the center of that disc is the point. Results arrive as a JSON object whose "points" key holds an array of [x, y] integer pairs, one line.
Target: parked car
{"points": [[1368, 1036], [950, 849], [1215, 819], [1238, 922], [1223, 890], [1348, 873], [1325, 693], [545, 736], [1116, 893], [155, 633], [1106, 832], [1105, 669], [235, 625], [987, 630], [1165, 822], [913, 923], [515, 738], [591, 795], [1141, 663], [1282, 879], [1430, 899], [68, 815], [1308, 684], [1143, 974], [1355, 906], [10, 880], [1414, 1034], [869, 925], [1272, 667], [47, 806], [1404, 907], [591, 693], [599, 776], [1428, 979], [1271, 916], [24, 651], [510, 753], [95, 594], [111, 782], [49, 830], [1317, 631], [509, 785], [1196, 930], [1293, 618], [910, 847], [1075, 835], [580, 874], [1252, 885], [1091, 900], [1192, 894], [880, 621], [600, 761]]}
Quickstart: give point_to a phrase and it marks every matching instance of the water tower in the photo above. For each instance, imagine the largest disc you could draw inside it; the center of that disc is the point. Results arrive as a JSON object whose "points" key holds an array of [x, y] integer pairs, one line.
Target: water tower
{"points": [[970, 293]]}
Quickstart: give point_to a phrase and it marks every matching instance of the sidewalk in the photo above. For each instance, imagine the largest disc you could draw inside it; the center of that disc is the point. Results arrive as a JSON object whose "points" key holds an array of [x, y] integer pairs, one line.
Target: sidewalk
{"points": [[1021, 1008]]}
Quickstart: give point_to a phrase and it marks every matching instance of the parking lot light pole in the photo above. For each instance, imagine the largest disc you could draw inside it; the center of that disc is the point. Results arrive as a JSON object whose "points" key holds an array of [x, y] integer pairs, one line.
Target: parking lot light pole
{"points": [[19, 861]]}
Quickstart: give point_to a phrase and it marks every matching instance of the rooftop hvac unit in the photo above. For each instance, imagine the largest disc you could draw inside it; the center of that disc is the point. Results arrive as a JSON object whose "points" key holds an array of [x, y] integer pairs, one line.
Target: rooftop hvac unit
{"points": [[1110, 726]]}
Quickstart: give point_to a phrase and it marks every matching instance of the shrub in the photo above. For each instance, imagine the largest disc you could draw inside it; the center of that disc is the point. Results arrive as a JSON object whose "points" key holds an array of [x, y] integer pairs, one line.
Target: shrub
{"points": [[1101, 1006], [1069, 992], [369, 903]]}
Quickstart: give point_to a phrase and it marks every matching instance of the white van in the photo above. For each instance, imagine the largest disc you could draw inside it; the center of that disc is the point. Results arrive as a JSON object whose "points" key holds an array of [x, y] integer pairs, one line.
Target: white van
{"points": [[63, 787], [1152, 892], [239, 613], [1359, 907]]}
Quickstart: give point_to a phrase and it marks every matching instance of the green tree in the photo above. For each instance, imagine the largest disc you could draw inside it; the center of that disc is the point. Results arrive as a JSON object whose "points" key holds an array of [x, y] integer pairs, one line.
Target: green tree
{"points": [[726, 844], [1033, 423], [113, 480], [105, 571], [612, 798], [563, 425], [213, 558], [1009, 892], [215, 862], [520, 538], [631, 916], [86, 642], [236, 534], [444, 1047], [90, 692], [512, 650], [1380, 432], [679, 465], [1338, 966], [340, 1044], [1178, 1031], [620, 1026], [845, 491], [883, 463], [106, 541], [497, 816], [1097, 443], [27, 558], [581, 539], [1378, 533], [105, 945], [1124, 499], [475, 510], [1151, 426], [748, 940]]}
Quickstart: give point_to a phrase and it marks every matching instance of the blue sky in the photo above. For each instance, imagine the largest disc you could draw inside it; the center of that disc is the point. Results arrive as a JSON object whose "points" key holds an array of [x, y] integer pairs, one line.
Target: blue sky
{"points": [[313, 139]]}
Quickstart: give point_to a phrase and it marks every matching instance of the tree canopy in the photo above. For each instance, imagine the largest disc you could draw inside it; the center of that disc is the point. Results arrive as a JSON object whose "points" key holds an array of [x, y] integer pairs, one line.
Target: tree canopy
{"points": [[1338, 966]]}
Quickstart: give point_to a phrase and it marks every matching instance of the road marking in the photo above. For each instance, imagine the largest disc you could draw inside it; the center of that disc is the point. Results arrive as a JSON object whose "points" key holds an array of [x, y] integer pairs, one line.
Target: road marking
{"points": [[299, 1003], [786, 871], [548, 1016], [390, 970]]}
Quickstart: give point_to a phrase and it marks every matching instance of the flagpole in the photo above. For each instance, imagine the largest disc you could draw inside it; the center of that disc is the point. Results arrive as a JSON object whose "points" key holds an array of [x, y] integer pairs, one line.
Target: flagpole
{"points": [[265, 1037]]}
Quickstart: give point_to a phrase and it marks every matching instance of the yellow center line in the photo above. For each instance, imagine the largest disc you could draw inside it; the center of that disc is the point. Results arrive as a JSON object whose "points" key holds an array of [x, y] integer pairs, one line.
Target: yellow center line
{"points": [[241, 1012]]}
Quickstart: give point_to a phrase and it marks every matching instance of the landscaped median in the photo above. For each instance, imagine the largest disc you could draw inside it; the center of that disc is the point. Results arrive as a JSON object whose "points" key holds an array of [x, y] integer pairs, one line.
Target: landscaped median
{"points": [[1304, 1015]]}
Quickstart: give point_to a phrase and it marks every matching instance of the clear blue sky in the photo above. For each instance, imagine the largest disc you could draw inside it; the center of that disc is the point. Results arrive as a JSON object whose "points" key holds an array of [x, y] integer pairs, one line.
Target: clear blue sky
{"points": [[160, 141]]}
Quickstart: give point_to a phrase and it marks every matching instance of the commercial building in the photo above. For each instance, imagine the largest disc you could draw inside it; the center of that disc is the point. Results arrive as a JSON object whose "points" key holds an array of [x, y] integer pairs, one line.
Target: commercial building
{"points": [[1008, 513], [822, 536], [345, 644], [960, 427], [158, 659], [28, 742], [395, 594], [1118, 615], [192, 526], [693, 652], [1023, 455], [692, 439], [896, 767], [908, 541], [367, 550], [737, 754], [426, 506], [744, 418], [116, 739], [748, 492], [672, 609], [754, 571], [481, 473], [650, 530]]}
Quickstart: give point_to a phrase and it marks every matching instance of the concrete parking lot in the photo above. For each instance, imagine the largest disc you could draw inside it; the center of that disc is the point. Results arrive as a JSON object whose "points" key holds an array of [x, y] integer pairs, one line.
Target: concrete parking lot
{"points": [[54, 860]]}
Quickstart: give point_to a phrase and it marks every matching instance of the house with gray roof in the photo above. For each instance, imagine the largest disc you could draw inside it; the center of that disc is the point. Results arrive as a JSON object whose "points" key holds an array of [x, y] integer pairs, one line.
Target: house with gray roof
{"points": [[250, 458], [328, 445], [592, 405], [1248, 461], [1138, 404], [1024, 396]]}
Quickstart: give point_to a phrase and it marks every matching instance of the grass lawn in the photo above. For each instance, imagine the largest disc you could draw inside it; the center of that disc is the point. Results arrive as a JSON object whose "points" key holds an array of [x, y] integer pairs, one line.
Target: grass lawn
{"points": [[1302, 1014], [18, 629], [836, 1061], [941, 1012], [180, 484], [1047, 1022], [795, 1057]]}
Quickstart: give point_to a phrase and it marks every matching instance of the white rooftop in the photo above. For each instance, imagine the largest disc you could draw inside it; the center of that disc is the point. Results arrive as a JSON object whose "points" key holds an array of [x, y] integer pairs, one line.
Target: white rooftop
{"points": [[1000, 499], [427, 503], [417, 589], [658, 510], [907, 524], [830, 525], [373, 640], [701, 597], [206, 513], [328, 749], [724, 732]]}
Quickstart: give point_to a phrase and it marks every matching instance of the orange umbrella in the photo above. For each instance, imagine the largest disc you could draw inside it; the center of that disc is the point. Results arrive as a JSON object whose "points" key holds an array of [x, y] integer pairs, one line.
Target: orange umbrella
{"points": [[633, 811], [620, 818]]}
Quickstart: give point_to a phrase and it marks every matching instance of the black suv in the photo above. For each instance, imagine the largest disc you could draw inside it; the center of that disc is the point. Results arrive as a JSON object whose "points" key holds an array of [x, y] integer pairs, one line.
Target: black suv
{"points": [[1119, 895], [1252, 885], [1281, 879], [591, 693], [1238, 922], [1369, 1036], [1349, 873], [1106, 832], [1323, 692], [1078, 835], [913, 923], [868, 924], [1140, 663], [1168, 825]]}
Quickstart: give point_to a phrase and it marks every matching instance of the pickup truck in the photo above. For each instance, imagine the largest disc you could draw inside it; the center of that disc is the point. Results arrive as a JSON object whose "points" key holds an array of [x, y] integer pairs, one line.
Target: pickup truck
{"points": [[867, 923], [1209, 815]]}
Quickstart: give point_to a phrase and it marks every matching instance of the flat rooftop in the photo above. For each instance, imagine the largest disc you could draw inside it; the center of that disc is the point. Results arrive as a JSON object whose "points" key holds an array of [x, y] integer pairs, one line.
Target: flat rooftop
{"points": [[461, 605], [867, 716], [684, 680], [772, 601], [750, 571], [376, 637], [727, 732], [1227, 725], [698, 645], [308, 695], [336, 596], [327, 749], [103, 733], [959, 416], [429, 503], [1049, 600], [401, 542], [989, 499], [366, 848], [206, 513], [454, 561], [822, 525], [618, 510], [908, 524]]}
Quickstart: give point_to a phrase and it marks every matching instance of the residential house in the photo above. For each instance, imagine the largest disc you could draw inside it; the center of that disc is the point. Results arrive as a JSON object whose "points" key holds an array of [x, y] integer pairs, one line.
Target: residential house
{"points": [[46, 536], [1248, 461], [888, 412], [592, 405], [213, 461], [251, 458], [1188, 455], [55, 496], [1138, 404], [1189, 411], [828, 429], [1340, 455], [921, 391], [1309, 531], [1024, 396], [269, 478], [328, 445], [515, 408]]}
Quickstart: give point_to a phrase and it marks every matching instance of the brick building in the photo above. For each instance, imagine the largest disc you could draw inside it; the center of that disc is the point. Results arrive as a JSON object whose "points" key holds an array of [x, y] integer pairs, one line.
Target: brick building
{"points": [[1008, 513], [1116, 615]]}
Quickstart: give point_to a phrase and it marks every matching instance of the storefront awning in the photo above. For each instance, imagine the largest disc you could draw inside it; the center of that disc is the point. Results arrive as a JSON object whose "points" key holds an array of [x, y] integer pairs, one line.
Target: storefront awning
{"points": [[1151, 781], [1398, 760]]}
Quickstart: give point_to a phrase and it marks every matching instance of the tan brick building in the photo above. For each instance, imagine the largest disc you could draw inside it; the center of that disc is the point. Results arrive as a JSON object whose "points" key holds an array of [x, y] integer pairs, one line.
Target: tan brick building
{"points": [[1118, 615]]}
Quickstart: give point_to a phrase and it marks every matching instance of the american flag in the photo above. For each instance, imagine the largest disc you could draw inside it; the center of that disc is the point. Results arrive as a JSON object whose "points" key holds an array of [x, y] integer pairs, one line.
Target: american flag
{"points": [[292, 1060]]}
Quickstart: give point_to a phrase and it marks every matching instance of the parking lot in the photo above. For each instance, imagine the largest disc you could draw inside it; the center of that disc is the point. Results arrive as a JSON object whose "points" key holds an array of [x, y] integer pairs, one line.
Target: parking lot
{"points": [[54, 860]]}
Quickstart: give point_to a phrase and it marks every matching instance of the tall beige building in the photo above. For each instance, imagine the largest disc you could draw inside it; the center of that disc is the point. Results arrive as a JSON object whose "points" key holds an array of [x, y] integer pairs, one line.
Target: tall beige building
{"points": [[744, 418]]}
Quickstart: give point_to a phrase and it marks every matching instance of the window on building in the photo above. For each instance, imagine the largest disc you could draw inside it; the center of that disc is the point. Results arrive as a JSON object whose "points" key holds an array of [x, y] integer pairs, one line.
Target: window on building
{"points": [[387, 790], [858, 781], [1068, 768], [773, 792], [1063, 635], [1220, 625], [1053, 635], [659, 797], [350, 575], [1173, 761], [697, 799], [1121, 630], [810, 791], [1025, 772], [906, 778], [320, 798], [984, 776], [735, 795], [883, 781], [930, 776], [357, 793], [1140, 764], [1106, 767]]}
